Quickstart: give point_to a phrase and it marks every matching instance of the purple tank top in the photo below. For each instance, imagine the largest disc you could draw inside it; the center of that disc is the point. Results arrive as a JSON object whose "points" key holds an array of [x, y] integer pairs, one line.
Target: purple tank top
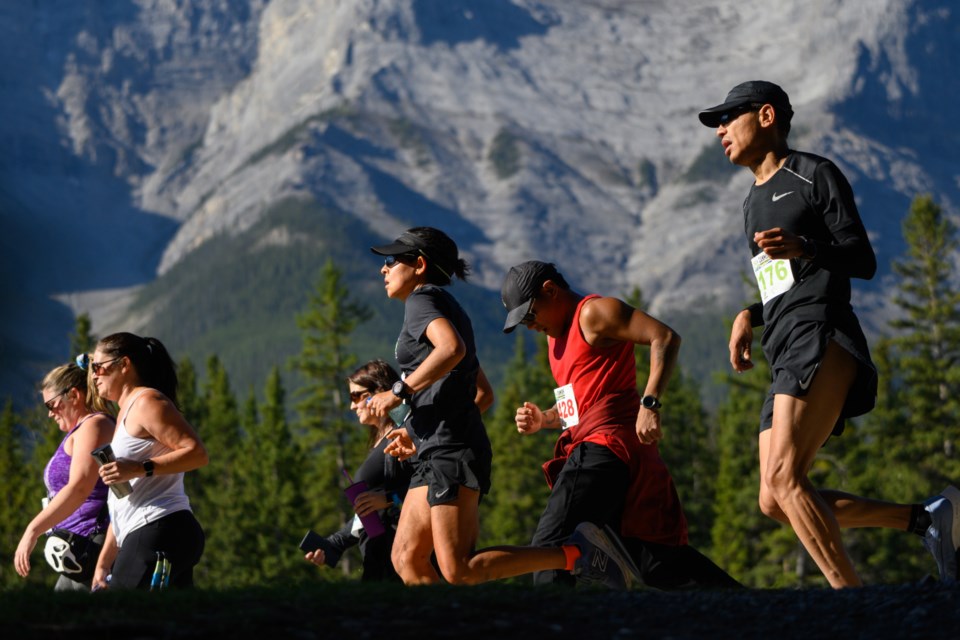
{"points": [[57, 475]]}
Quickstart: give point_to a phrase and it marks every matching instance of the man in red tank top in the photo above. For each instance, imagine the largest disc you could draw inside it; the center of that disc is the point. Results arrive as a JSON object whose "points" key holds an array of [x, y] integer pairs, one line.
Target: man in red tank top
{"points": [[607, 468]]}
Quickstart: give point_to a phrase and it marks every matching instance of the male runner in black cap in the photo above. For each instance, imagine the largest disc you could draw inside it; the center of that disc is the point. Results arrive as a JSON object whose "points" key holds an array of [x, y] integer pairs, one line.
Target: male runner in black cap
{"points": [[807, 241], [607, 468]]}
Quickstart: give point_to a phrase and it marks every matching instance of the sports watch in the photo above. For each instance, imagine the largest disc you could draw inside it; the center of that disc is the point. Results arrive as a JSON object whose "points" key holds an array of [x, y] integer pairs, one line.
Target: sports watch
{"points": [[809, 248], [148, 467], [400, 390], [650, 402]]}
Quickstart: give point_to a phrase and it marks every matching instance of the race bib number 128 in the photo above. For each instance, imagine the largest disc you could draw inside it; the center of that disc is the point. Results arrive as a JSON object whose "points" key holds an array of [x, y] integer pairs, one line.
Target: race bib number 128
{"points": [[567, 406], [774, 277]]}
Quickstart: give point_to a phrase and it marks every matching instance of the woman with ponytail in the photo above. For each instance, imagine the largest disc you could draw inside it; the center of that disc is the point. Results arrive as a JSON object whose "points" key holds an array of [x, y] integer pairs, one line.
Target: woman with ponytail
{"points": [[154, 446], [446, 390], [76, 497]]}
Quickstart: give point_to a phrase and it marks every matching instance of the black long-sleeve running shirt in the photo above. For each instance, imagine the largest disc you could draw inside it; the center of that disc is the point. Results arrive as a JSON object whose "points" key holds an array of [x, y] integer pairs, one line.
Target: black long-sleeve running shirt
{"points": [[809, 196]]}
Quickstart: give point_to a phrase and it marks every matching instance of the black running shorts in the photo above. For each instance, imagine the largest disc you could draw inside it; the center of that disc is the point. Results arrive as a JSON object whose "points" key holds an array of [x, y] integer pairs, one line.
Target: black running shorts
{"points": [[444, 470], [794, 361]]}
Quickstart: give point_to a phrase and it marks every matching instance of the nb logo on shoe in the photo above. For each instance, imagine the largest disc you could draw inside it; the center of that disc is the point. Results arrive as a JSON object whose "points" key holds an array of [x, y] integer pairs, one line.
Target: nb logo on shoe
{"points": [[600, 561]]}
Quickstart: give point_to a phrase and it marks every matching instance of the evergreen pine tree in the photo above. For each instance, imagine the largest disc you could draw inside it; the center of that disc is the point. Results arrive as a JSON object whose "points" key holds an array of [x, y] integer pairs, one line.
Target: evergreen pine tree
{"points": [[927, 343], [23, 491], [216, 498], [82, 340], [738, 521], [519, 491], [880, 467], [272, 496], [688, 446], [332, 442], [191, 405], [908, 443], [690, 451], [754, 549]]}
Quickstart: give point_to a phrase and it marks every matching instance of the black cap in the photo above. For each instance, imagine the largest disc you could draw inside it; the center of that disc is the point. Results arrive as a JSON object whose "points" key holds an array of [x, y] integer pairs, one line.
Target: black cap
{"points": [[406, 243], [751, 92], [521, 287], [441, 255]]}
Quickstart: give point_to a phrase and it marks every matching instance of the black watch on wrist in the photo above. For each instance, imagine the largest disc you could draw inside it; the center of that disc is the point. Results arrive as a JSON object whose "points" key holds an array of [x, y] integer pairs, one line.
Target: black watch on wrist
{"points": [[400, 390], [148, 467], [809, 249], [650, 402]]}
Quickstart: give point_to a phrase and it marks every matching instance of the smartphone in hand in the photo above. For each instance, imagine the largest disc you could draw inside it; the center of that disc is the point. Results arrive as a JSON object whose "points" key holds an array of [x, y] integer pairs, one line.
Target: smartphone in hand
{"points": [[103, 455], [313, 541]]}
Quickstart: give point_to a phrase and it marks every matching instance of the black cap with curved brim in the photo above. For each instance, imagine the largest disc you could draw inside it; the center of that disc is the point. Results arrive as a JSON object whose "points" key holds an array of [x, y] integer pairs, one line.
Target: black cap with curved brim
{"points": [[520, 289], [751, 92], [409, 243], [406, 243]]}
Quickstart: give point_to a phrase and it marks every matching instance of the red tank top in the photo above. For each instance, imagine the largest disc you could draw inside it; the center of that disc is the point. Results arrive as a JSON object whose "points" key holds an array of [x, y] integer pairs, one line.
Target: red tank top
{"points": [[605, 386], [593, 372]]}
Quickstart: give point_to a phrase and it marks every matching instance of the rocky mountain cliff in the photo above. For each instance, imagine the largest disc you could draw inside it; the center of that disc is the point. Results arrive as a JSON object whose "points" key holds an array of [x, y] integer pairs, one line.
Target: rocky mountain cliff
{"points": [[136, 134]]}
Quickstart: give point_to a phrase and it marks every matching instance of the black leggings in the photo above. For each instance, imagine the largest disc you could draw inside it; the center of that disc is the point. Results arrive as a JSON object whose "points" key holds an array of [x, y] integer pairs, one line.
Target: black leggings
{"points": [[177, 535]]}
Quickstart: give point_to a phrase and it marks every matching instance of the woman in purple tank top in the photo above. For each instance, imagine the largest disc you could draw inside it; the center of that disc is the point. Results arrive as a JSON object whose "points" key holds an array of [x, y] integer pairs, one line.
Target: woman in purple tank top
{"points": [[75, 494]]}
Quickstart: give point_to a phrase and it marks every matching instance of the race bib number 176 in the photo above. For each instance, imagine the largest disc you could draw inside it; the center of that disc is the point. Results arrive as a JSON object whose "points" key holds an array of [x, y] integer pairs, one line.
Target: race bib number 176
{"points": [[774, 277]]}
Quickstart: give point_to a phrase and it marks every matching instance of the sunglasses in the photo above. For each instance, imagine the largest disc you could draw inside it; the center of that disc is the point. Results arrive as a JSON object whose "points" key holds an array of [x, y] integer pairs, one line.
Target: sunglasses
{"points": [[357, 396], [733, 114], [406, 258], [530, 315], [50, 404], [99, 367]]}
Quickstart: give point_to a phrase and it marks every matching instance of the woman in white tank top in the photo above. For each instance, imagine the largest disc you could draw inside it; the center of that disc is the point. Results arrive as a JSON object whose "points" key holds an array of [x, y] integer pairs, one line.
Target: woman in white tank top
{"points": [[154, 446]]}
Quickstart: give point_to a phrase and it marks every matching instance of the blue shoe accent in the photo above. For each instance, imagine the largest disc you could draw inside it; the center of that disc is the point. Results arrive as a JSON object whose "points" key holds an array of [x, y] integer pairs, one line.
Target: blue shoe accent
{"points": [[942, 538], [603, 558]]}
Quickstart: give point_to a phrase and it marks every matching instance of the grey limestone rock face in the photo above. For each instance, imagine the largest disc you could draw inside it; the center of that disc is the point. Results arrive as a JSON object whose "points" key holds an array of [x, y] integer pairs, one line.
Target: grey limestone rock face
{"points": [[561, 130]]}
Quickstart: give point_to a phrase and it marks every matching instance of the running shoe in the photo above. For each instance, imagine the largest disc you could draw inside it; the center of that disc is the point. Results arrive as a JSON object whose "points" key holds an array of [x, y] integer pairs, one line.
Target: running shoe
{"points": [[942, 538], [603, 558]]}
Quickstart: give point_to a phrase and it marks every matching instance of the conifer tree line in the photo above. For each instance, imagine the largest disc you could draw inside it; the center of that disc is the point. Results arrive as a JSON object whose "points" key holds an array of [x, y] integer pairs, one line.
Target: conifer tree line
{"points": [[272, 476]]}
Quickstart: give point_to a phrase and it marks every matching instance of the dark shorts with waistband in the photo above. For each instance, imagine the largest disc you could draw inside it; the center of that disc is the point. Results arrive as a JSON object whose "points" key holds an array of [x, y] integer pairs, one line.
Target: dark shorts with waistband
{"points": [[794, 361], [443, 471]]}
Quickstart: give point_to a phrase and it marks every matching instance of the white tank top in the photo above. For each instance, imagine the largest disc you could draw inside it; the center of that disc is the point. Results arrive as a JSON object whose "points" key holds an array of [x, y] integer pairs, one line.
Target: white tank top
{"points": [[152, 498]]}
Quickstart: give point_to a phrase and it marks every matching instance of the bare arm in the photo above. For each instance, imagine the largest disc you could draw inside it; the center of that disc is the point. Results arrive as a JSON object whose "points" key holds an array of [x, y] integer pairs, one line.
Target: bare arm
{"points": [[604, 321], [448, 351], [155, 416], [484, 399], [105, 562], [94, 432], [741, 341], [531, 419]]}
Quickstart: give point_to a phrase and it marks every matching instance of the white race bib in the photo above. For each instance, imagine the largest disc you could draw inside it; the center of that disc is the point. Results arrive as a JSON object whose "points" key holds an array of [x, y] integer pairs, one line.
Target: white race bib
{"points": [[774, 277], [567, 406]]}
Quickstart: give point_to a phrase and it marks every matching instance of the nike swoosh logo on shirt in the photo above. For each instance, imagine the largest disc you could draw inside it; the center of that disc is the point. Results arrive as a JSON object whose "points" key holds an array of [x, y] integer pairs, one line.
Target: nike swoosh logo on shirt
{"points": [[777, 196]]}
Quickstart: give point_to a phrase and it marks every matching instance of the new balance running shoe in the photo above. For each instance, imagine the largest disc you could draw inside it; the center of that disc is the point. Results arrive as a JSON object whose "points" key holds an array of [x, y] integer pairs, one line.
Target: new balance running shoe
{"points": [[603, 558]]}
